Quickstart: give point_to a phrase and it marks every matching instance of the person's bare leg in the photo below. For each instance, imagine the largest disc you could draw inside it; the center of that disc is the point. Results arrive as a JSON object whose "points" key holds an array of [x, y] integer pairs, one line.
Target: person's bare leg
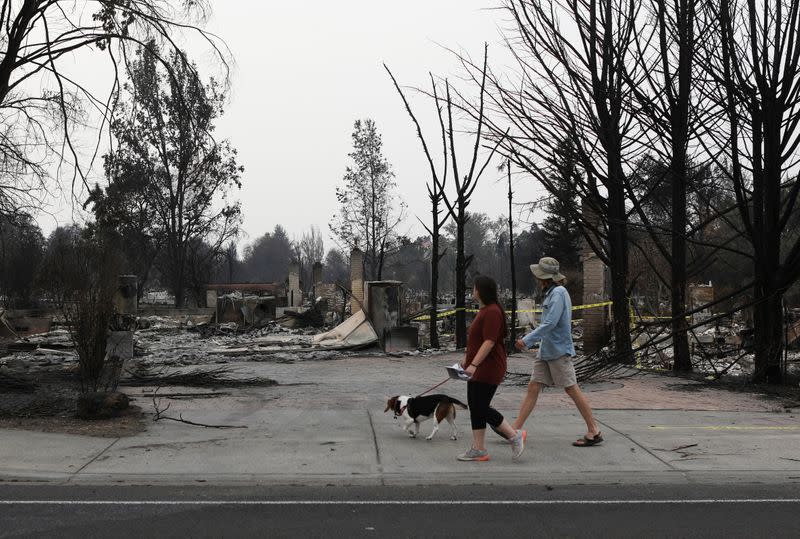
{"points": [[582, 403], [527, 405], [507, 430], [479, 439]]}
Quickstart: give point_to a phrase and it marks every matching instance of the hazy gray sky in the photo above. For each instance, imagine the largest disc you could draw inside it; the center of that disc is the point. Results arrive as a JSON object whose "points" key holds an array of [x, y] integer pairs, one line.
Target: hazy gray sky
{"points": [[305, 71]]}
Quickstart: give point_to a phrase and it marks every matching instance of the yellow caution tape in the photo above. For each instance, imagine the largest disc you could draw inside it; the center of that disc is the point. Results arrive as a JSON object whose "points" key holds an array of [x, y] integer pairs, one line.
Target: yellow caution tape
{"points": [[444, 314], [451, 312], [592, 305], [688, 317], [633, 315]]}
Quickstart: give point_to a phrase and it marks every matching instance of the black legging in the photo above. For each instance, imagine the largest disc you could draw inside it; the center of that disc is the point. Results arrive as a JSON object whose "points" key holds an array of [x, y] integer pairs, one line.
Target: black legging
{"points": [[479, 398]]}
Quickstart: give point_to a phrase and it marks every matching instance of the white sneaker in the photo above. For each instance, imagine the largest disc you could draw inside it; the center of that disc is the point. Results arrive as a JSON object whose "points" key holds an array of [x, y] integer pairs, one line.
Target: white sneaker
{"points": [[518, 444]]}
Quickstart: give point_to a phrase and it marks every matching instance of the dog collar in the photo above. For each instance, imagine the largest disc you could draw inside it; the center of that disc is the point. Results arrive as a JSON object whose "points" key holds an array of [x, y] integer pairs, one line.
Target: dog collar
{"points": [[398, 411]]}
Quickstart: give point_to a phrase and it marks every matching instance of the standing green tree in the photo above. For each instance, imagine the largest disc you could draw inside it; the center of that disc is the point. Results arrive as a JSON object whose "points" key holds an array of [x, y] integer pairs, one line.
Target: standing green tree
{"points": [[124, 207], [528, 244], [267, 258], [368, 209], [560, 230], [21, 254], [232, 262], [164, 133]]}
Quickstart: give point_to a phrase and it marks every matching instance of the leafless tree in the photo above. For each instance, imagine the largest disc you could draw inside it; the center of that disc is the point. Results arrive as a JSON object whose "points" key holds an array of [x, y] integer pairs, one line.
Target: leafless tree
{"points": [[464, 189], [436, 194], [38, 41], [80, 269], [666, 103], [513, 268], [574, 59], [311, 250], [464, 186], [755, 65]]}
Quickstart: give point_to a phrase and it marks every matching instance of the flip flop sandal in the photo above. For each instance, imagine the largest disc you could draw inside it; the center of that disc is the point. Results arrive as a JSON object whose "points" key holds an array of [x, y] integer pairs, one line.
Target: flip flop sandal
{"points": [[588, 442]]}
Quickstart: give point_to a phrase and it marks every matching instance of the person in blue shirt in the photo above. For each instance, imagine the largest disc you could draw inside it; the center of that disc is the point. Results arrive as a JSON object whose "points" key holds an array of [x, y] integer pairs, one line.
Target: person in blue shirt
{"points": [[554, 365]]}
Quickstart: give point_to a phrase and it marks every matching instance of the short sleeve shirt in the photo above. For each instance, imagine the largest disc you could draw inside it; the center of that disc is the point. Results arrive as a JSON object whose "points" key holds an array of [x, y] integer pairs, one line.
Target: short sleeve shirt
{"points": [[489, 325]]}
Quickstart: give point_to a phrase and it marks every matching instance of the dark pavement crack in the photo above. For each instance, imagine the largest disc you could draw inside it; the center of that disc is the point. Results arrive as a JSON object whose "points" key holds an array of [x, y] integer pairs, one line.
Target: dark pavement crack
{"points": [[645, 449], [377, 448], [109, 446]]}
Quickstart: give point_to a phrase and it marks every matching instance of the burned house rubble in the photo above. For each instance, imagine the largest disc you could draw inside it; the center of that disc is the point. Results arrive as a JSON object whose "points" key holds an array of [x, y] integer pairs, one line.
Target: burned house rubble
{"points": [[246, 305], [376, 306], [288, 322], [242, 323]]}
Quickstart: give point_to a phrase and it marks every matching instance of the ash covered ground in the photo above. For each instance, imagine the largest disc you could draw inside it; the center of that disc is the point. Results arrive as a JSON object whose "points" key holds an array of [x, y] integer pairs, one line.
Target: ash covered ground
{"points": [[201, 366]]}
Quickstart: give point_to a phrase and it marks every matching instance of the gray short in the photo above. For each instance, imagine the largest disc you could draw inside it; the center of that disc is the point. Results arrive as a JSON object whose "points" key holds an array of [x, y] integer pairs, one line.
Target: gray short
{"points": [[556, 372]]}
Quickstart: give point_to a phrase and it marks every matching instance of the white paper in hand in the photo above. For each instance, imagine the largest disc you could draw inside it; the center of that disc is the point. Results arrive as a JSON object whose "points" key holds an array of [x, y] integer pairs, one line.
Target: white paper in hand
{"points": [[457, 373]]}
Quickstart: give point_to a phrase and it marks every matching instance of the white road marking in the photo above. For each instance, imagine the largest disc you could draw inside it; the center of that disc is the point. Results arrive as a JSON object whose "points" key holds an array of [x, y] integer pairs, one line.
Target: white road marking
{"points": [[404, 502]]}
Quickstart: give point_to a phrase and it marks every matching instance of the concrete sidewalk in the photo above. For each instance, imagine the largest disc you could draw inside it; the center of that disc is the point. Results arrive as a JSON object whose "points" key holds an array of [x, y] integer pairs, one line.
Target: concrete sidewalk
{"points": [[344, 447], [324, 424]]}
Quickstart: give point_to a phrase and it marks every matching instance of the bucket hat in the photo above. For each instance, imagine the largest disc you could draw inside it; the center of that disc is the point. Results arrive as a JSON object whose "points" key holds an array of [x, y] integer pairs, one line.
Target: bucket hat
{"points": [[547, 268]]}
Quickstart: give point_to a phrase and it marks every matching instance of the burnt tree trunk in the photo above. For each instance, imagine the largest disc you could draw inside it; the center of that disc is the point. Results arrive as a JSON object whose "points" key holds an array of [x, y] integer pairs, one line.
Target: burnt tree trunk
{"points": [[618, 255], [434, 330], [179, 279], [513, 333], [464, 188], [768, 324], [760, 82], [679, 124], [461, 276], [768, 313], [680, 342], [381, 259], [437, 195]]}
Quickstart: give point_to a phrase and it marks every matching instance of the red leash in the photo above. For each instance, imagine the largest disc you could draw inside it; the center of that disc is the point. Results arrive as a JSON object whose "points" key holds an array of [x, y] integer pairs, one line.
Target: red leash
{"points": [[434, 387]]}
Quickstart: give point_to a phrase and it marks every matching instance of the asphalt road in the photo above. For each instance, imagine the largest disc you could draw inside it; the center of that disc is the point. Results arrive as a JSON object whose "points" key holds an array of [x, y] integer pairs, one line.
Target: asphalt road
{"points": [[434, 511]]}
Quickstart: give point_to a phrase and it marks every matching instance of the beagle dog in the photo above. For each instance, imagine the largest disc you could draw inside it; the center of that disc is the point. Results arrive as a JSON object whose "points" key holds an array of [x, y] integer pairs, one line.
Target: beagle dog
{"points": [[415, 410]]}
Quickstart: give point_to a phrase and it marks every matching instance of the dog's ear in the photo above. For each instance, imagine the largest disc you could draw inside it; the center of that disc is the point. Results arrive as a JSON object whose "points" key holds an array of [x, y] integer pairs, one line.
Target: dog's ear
{"points": [[390, 404]]}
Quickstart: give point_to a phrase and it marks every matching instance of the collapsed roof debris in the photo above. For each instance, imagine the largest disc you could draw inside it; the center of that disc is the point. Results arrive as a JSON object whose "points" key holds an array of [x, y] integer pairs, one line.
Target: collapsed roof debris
{"points": [[355, 332]]}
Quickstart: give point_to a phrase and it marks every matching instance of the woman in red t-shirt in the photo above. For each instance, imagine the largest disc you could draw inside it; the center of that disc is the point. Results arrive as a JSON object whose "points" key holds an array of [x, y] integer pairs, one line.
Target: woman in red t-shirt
{"points": [[485, 362]]}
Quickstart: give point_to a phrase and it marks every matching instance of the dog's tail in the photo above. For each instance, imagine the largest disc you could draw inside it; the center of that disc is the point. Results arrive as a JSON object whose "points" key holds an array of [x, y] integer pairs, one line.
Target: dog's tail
{"points": [[458, 403]]}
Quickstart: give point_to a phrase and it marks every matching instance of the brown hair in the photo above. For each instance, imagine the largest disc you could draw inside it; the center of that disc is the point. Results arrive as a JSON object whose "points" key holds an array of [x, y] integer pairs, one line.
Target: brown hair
{"points": [[487, 289]]}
